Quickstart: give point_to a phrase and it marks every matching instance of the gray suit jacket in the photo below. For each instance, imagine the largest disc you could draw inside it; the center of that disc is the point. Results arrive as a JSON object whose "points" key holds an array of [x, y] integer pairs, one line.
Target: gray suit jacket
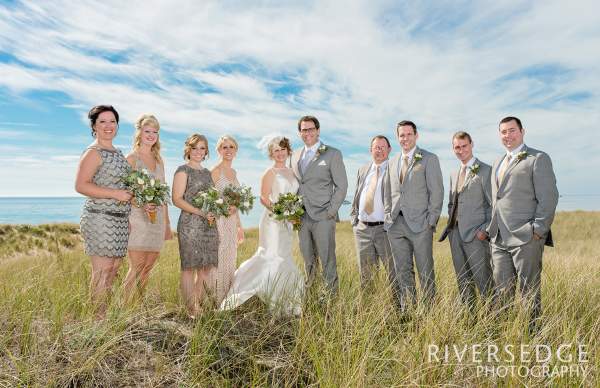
{"points": [[474, 207], [525, 201], [324, 184], [419, 197], [360, 185]]}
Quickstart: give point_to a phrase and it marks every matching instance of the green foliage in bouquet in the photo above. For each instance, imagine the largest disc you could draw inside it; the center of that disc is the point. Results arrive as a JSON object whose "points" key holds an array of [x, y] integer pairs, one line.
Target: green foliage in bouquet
{"points": [[289, 208], [211, 201], [146, 189], [239, 196]]}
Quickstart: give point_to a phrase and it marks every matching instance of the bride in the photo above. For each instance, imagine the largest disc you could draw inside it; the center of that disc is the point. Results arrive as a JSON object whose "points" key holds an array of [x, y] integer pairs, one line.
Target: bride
{"points": [[271, 273]]}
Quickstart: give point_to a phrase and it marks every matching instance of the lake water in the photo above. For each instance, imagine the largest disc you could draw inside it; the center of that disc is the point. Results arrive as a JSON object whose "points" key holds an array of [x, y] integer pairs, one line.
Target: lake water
{"points": [[29, 210]]}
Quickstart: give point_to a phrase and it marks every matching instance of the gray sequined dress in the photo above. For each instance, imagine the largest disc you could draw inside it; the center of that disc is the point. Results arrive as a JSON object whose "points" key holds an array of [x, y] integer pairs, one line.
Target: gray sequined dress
{"points": [[198, 242], [104, 221]]}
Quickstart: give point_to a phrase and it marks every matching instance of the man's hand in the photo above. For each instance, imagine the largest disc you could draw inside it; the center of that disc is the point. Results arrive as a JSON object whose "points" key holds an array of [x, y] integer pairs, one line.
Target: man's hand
{"points": [[481, 236]]}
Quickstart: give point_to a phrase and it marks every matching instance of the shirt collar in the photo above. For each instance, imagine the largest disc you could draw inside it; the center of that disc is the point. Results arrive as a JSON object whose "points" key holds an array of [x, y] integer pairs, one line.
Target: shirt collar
{"points": [[382, 166], [410, 153], [469, 163], [514, 152], [312, 148]]}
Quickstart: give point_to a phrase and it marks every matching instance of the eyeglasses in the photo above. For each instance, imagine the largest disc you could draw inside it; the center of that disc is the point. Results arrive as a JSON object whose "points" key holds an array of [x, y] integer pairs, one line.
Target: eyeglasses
{"points": [[307, 130]]}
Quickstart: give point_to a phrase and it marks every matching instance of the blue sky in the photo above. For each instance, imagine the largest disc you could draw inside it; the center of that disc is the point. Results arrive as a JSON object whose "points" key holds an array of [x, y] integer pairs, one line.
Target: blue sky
{"points": [[251, 70]]}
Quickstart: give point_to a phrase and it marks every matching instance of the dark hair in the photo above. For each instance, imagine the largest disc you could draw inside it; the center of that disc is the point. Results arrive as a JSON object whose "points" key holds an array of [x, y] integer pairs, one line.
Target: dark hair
{"points": [[380, 137], [95, 112], [309, 118], [462, 135], [406, 122], [511, 118]]}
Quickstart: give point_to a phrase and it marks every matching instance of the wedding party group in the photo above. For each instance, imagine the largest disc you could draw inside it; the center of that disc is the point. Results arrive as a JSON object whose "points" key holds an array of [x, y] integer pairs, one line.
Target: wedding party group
{"points": [[499, 216]]}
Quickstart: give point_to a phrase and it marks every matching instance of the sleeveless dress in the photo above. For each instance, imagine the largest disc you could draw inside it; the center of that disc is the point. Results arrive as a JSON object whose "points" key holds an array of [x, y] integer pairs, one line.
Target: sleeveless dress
{"points": [[146, 236], [104, 221], [271, 273], [228, 245], [198, 242]]}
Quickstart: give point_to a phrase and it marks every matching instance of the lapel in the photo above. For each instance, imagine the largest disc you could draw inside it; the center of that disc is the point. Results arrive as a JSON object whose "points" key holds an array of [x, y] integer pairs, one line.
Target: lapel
{"points": [[513, 164], [363, 177], [412, 164], [455, 181], [394, 166], [316, 156], [469, 175]]}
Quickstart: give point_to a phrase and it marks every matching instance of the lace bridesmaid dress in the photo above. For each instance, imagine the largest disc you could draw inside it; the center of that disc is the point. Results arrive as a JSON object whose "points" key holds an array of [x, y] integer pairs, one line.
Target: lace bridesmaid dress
{"points": [[146, 236], [227, 226]]}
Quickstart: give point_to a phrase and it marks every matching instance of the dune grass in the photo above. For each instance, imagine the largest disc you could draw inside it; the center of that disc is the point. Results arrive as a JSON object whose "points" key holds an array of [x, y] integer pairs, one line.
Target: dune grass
{"points": [[48, 336]]}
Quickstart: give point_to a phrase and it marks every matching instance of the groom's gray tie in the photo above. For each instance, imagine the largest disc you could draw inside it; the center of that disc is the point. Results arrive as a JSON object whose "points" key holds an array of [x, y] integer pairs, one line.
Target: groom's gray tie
{"points": [[307, 158]]}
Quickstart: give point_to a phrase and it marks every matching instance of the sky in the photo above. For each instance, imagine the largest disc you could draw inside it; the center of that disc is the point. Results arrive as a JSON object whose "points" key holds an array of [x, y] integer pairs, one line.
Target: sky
{"points": [[251, 69]]}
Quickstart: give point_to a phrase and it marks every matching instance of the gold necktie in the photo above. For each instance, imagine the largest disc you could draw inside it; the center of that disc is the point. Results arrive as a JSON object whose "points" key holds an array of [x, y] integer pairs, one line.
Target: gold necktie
{"points": [[503, 169], [461, 178], [404, 168], [370, 199]]}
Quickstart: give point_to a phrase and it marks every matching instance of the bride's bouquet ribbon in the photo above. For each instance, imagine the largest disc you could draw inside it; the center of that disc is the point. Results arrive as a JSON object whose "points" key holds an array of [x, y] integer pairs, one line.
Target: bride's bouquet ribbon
{"points": [[147, 190]]}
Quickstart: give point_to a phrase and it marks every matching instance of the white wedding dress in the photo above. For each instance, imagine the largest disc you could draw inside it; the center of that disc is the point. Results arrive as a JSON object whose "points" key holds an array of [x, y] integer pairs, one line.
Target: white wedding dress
{"points": [[271, 273]]}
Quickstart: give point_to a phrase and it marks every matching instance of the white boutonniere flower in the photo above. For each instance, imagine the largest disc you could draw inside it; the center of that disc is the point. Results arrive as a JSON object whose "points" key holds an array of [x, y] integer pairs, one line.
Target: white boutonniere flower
{"points": [[418, 156], [322, 148], [474, 169], [521, 155]]}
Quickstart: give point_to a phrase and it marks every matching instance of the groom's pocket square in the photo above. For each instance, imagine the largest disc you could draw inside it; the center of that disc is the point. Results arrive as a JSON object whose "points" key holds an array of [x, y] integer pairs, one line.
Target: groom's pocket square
{"points": [[322, 163]]}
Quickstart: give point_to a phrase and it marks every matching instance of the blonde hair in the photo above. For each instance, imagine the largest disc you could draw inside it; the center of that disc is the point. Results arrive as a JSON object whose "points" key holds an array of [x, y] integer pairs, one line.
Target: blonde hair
{"points": [[143, 121], [191, 142], [225, 138]]}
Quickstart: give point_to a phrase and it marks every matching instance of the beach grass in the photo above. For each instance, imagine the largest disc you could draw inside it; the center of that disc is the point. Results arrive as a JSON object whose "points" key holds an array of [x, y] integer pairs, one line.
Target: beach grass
{"points": [[48, 336]]}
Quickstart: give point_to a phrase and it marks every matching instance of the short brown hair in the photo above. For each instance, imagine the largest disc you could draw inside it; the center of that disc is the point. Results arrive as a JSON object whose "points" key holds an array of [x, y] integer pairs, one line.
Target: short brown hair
{"points": [[380, 137], [95, 112], [191, 142], [462, 135], [309, 118], [509, 119], [406, 122]]}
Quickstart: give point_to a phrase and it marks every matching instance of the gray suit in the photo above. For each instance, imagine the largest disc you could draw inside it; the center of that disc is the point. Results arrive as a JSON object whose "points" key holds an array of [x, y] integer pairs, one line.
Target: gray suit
{"points": [[523, 203], [469, 211], [323, 187], [372, 244], [412, 209]]}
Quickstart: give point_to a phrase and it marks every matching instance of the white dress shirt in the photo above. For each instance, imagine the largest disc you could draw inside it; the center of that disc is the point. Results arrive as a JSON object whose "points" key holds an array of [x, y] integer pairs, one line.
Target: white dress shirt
{"points": [[513, 155], [377, 215]]}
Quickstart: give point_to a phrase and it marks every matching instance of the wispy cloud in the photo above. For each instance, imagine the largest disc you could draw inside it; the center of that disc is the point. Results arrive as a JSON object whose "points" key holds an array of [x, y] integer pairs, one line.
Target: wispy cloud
{"points": [[360, 66]]}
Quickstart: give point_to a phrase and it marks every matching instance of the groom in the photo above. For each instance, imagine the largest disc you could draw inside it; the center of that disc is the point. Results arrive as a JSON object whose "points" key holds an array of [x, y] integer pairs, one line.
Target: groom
{"points": [[323, 184]]}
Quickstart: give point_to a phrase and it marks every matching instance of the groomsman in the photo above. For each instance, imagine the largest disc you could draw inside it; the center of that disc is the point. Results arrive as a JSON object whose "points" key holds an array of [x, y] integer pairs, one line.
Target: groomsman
{"points": [[413, 197], [469, 214], [366, 215], [524, 197], [323, 184]]}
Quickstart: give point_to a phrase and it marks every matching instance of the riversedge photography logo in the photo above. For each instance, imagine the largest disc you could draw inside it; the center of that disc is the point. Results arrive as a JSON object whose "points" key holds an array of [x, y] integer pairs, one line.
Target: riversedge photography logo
{"points": [[524, 360]]}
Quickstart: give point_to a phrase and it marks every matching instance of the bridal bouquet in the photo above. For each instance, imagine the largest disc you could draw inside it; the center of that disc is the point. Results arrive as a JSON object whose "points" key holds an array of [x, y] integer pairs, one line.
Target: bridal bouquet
{"points": [[240, 197], [146, 190], [211, 201], [289, 208]]}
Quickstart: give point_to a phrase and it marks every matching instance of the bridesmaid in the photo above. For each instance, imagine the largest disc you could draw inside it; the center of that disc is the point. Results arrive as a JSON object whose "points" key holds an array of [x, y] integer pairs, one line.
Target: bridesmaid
{"points": [[145, 238], [104, 219], [198, 242], [230, 228]]}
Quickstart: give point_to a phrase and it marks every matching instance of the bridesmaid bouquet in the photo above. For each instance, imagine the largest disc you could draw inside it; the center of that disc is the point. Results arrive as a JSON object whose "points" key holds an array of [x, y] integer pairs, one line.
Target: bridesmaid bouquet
{"points": [[289, 208], [240, 197], [147, 190], [211, 201]]}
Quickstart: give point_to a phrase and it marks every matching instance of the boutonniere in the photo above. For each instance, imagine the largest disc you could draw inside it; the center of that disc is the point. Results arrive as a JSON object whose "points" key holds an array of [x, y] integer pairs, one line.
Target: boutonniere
{"points": [[521, 155], [322, 148], [418, 156], [474, 169]]}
